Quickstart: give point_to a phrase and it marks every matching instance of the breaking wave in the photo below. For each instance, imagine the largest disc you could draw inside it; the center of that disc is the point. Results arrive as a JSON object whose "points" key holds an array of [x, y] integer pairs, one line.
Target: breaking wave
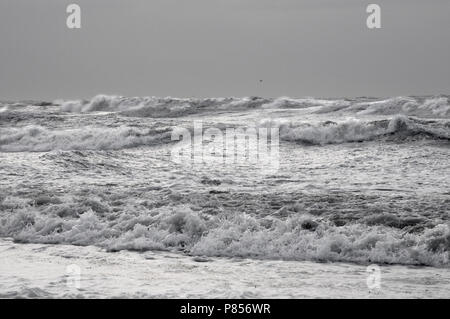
{"points": [[159, 107], [431, 107], [40, 139], [227, 234], [436, 107], [400, 127]]}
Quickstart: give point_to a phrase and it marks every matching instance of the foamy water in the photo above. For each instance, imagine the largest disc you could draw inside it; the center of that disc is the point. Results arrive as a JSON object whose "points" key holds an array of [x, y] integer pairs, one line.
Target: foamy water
{"points": [[359, 181], [41, 271]]}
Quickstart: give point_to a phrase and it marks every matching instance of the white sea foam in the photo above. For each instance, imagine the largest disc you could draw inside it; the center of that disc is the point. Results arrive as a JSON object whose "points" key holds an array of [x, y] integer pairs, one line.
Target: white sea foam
{"points": [[168, 275], [232, 235]]}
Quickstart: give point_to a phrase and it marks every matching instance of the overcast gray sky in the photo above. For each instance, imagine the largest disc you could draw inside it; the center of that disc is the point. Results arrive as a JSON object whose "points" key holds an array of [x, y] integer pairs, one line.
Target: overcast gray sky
{"points": [[223, 48]]}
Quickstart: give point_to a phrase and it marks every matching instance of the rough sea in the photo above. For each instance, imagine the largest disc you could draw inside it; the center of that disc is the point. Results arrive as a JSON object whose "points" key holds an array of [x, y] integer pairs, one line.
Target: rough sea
{"points": [[359, 182]]}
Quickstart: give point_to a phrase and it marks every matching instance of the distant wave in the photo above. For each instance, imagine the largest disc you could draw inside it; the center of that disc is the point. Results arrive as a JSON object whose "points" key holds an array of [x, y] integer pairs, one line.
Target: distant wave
{"points": [[159, 107], [437, 107]]}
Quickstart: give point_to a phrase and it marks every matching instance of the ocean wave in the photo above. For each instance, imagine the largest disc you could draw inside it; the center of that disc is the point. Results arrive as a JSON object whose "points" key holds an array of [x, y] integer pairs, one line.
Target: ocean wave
{"points": [[159, 107], [353, 130], [227, 234], [437, 107], [40, 139], [34, 138], [287, 102]]}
